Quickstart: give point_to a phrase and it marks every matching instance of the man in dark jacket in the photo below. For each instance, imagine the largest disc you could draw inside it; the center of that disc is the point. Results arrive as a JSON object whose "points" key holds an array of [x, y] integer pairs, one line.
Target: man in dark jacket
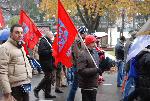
{"points": [[47, 64], [88, 70], [119, 53]]}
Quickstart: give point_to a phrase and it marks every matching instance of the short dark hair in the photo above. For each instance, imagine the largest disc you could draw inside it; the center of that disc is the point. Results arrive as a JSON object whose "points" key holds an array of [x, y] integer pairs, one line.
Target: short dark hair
{"points": [[13, 26], [122, 38]]}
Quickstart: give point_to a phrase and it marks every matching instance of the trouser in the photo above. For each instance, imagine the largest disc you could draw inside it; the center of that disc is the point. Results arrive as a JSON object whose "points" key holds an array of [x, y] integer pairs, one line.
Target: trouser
{"points": [[121, 72], [19, 95], [38, 67], [73, 89], [133, 95], [45, 83], [88, 95], [58, 80], [70, 75], [128, 86]]}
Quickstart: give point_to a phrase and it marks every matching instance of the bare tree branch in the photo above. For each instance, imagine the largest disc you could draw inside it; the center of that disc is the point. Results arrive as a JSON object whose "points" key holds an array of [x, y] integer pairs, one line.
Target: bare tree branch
{"points": [[81, 16]]}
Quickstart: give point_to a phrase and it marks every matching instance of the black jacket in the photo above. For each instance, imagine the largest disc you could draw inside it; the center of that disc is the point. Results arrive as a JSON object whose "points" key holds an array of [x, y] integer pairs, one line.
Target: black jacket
{"points": [[143, 81], [45, 55], [119, 51]]}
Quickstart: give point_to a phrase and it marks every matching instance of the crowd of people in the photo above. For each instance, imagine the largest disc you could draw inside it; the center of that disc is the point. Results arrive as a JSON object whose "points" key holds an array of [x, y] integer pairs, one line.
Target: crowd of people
{"points": [[89, 63], [133, 65]]}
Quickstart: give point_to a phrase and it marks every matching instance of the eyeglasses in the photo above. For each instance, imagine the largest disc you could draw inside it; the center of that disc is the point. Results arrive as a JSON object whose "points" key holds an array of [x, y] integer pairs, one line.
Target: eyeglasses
{"points": [[18, 32]]}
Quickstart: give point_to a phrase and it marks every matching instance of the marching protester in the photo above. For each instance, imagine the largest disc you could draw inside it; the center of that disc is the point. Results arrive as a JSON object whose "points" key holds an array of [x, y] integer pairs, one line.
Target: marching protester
{"points": [[139, 58], [119, 53], [15, 70], [142, 82], [47, 63], [88, 70], [130, 80], [76, 48]]}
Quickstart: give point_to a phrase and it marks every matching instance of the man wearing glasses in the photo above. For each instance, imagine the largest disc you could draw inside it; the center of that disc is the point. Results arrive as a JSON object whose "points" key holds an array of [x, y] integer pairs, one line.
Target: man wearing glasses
{"points": [[15, 70]]}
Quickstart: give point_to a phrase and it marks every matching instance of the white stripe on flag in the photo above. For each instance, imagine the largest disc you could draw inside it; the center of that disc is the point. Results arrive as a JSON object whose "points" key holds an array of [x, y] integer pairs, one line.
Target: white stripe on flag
{"points": [[107, 84], [45, 100]]}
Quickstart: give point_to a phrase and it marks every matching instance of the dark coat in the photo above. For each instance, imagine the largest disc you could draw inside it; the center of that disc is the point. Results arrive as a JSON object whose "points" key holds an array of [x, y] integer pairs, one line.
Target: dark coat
{"points": [[143, 68], [77, 47], [45, 55], [87, 71], [119, 51]]}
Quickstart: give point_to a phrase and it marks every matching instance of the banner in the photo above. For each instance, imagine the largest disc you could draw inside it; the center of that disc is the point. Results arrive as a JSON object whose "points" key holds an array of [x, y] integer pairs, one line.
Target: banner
{"points": [[31, 32], [2, 22], [65, 37]]}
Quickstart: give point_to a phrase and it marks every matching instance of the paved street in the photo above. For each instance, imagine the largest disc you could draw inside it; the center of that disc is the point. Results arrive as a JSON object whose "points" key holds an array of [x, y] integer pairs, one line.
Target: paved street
{"points": [[106, 92]]}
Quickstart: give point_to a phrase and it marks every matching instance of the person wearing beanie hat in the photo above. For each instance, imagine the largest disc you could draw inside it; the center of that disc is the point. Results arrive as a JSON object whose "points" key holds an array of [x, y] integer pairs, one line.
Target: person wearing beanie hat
{"points": [[88, 70]]}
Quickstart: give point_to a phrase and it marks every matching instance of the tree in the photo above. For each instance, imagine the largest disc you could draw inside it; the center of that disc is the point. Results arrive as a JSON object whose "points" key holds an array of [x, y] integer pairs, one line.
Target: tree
{"points": [[14, 6], [89, 11], [143, 8], [134, 8], [13, 21]]}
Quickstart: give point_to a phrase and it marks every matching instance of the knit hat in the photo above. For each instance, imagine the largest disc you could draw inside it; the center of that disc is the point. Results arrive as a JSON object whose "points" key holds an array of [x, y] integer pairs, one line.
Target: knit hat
{"points": [[82, 30], [89, 39]]}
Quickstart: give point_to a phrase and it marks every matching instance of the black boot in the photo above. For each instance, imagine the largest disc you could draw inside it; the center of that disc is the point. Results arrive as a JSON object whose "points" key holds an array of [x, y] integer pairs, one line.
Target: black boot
{"points": [[49, 96], [36, 92], [39, 87], [58, 91]]}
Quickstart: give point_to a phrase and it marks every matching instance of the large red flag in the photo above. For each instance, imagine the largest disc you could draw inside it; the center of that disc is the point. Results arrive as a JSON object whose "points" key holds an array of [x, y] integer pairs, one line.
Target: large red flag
{"points": [[65, 37], [31, 32], [2, 22]]}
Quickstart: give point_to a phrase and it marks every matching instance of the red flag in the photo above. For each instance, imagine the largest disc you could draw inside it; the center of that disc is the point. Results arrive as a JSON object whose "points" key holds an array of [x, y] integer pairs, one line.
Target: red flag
{"points": [[2, 23], [65, 37], [31, 32]]}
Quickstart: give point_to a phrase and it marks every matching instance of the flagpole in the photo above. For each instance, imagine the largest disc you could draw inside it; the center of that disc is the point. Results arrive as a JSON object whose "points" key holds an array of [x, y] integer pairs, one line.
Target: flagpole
{"points": [[22, 4], [87, 50], [48, 42]]}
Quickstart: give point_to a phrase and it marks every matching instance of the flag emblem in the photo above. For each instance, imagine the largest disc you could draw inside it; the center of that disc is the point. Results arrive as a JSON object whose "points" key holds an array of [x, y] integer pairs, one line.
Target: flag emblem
{"points": [[25, 28], [63, 35]]}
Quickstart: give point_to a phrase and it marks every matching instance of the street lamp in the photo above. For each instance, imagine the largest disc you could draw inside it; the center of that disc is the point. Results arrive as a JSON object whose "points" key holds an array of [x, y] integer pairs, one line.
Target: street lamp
{"points": [[123, 17]]}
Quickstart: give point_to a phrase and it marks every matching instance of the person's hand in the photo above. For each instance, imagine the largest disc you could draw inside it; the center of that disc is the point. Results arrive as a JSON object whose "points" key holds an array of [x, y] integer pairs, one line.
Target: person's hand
{"points": [[7, 95], [113, 70]]}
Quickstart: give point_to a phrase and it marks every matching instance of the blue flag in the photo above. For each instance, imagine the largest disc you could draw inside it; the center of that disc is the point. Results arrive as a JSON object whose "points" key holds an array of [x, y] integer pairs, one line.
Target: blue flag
{"points": [[133, 71]]}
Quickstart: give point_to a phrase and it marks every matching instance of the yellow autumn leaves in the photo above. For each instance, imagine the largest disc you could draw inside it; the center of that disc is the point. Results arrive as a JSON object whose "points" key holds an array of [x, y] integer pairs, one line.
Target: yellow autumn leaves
{"points": [[131, 7]]}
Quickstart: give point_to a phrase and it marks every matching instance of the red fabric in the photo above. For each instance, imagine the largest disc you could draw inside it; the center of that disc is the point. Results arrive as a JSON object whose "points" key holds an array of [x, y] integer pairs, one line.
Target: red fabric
{"points": [[31, 32], [2, 22], [101, 53], [99, 49], [89, 39], [65, 37]]}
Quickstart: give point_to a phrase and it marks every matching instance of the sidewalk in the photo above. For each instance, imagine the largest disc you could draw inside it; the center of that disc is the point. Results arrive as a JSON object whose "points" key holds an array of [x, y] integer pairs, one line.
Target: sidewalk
{"points": [[110, 56]]}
